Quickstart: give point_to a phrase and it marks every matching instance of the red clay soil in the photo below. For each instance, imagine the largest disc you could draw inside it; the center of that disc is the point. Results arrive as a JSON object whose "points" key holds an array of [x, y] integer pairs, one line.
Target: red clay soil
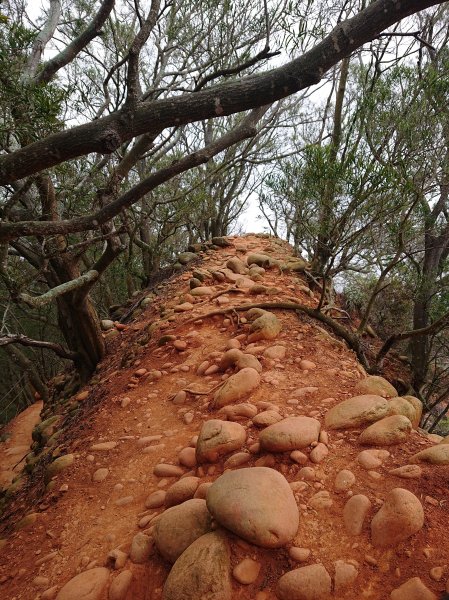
{"points": [[17, 444], [79, 522]]}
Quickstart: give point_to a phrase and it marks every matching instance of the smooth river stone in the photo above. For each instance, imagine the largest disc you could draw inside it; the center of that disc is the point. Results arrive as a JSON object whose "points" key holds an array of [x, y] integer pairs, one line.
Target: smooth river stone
{"points": [[202, 571], [386, 432], [373, 384], [306, 583], [400, 516], [292, 433], [88, 585], [356, 411], [257, 504], [217, 438], [180, 526], [238, 386]]}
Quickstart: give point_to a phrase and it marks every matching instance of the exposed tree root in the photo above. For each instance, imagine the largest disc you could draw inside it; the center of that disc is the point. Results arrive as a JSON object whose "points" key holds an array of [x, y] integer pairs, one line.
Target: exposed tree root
{"points": [[351, 339]]}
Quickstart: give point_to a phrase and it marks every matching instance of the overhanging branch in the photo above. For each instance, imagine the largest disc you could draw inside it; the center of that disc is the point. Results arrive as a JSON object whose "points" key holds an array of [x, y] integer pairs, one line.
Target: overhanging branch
{"points": [[59, 290], [105, 135], [23, 340], [247, 128]]}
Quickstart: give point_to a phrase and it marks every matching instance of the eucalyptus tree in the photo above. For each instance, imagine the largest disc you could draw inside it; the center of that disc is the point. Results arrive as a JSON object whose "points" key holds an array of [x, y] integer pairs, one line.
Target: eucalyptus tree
{"points": [[117, 85], [407, 128]]}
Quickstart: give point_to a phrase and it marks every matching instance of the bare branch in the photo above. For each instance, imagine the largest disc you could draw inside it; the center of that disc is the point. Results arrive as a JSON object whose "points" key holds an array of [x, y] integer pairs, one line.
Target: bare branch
{"points": [[414, 34], [60, 290], [405, 335], [247, 128], [5, 340], [42, 39], [105, 135], [134, 52], [51, 67]]}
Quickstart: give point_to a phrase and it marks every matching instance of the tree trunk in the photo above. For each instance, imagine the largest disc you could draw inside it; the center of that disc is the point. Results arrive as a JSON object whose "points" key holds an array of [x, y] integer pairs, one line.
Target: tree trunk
{"points": [[80, 327], [77, 318], [420, 345]]}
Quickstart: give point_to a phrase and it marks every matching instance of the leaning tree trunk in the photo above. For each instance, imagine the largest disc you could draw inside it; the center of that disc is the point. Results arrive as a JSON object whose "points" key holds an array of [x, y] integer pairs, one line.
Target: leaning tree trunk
{"points": [[77, 319], [80, 326]]}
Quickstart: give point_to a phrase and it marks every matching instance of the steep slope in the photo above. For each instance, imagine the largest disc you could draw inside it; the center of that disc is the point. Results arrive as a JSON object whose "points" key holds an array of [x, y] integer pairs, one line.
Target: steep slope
{"points": [[131, 453]]}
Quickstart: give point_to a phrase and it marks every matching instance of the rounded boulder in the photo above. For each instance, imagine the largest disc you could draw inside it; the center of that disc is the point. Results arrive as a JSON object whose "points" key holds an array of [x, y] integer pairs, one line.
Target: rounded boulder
{"points": [[292, 433], [238, 386], [180, 526], [217, 438], [356, 411], [256, 504], [202, 571], [88, 585], [306, 583], [387, 431], [376, 385], [400, 516]]}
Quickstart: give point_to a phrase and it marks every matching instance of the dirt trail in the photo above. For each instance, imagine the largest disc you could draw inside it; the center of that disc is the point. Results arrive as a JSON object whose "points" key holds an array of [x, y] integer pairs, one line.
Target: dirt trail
{"points": [[17, 444], [80, 521]]}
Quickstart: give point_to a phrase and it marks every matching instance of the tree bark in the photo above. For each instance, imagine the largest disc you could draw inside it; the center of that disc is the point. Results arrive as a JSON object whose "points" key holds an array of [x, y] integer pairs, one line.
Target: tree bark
{"points": [[106, 134]]}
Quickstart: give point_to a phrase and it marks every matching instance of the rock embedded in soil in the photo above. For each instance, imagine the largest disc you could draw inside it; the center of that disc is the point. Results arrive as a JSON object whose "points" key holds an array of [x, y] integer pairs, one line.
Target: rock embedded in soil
{"points": [[435, 455], [180, 526], [100, 474], [321, 500], [202, 571], [292, 433], [345, 575], [236, 387], [141, 548], [103, 446], [299, 457], [58, 465], [88, 585], [119, 587], [387, 431], [355, 512], [374, 384], [299, 554], [237, 460], [356, 411], [400, 516], [202, 489], [156, 499], [344, 480], [239, 412], [306, 365], [413, 589], [318, 453], [237, 266], [218, 438], [187, 457], [267, 418], [256, 504], [182, 490], [50, 594], [407, 472], [166, 470], [247, 571], [402, 406], [275, 352], [265, 327], [372, 459], [306, 583]]}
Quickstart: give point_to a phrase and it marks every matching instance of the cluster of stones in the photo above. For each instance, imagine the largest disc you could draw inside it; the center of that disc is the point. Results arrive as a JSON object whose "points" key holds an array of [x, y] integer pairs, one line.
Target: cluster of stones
{"points": [[389, 419], [200, 520]]}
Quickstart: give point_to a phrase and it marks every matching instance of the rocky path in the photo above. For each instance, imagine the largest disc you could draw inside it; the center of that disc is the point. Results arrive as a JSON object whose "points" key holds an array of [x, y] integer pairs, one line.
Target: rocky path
{"points": [[241, 455], [17, 443]]}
